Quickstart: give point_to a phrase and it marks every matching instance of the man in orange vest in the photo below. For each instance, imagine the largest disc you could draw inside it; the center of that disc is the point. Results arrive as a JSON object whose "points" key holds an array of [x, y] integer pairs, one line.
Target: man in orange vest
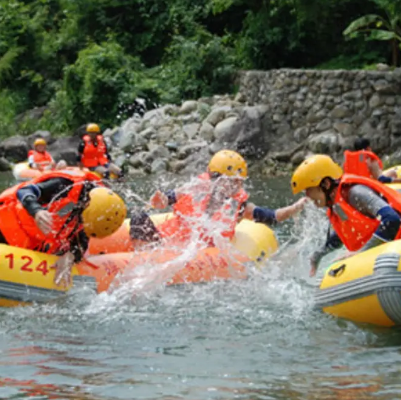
{"points": [[219, 194], [93, 153], [363, 161], [363, 212], [57, 213], [40, 159]]}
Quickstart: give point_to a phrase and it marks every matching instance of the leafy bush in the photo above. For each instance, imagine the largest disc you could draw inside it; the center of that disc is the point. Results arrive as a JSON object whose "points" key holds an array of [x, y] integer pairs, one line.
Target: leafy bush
{"points": [[198, 66]]}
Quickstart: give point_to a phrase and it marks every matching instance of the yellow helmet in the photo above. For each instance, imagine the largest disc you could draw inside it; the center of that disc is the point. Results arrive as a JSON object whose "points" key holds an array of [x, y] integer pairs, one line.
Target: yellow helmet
{"points": [[105, 213], [39, 141], [93, 128], [228, 162], [312, 171]]}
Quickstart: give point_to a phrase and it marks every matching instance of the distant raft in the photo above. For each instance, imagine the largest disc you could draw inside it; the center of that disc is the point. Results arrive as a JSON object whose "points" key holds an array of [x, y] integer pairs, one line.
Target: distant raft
{"points": [[23, 172], [365, 288]]}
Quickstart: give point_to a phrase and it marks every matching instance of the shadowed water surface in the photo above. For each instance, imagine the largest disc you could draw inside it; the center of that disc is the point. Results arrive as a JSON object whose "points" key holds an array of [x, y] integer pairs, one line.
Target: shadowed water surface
{"points": [[254, 339]]}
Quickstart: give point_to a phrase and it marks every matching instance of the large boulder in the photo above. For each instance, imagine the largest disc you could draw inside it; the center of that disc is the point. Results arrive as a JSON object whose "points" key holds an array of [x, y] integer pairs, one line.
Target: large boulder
{"points": [[248, 134], [40, 135], [65, 148], [326, 142], [14, 148]]}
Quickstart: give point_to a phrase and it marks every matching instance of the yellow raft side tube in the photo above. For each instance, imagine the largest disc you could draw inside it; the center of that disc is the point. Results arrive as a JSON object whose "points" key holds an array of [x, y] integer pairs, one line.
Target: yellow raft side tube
{"points": [[27, 275], [18, 267], [365, 288]]}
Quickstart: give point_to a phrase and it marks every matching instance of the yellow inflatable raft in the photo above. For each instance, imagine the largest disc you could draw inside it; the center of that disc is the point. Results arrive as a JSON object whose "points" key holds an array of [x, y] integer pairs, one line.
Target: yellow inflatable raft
{"points": [[26, 276], [365, 288]]}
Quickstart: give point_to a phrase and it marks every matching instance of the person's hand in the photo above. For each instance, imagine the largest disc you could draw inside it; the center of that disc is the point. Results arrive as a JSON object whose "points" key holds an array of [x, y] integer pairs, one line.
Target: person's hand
{"points": [[300, 204], [159, 200], [63, 267], [44, 221], [313, 269]]}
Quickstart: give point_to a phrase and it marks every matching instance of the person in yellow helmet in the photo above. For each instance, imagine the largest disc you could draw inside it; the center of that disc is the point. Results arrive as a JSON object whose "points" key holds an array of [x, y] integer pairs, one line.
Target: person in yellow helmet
{"points": [[40, 159], [363, 212], [93, 153], [219, 194], [57, 213]]}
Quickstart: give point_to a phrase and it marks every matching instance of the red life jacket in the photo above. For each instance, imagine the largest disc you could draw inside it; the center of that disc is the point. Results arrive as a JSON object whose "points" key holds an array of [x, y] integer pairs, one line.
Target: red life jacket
{"points": [[20, 229], [93, 156], [187, 208], [42, 160], [354, 228], [356, 162]]}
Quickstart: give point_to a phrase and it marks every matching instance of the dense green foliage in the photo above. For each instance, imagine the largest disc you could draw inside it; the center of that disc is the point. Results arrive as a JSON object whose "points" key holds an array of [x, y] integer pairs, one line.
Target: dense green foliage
{"points": [[88, 59]]}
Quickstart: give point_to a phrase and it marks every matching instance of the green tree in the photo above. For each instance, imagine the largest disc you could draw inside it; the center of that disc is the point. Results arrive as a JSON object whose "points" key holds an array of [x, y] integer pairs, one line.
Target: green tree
{"points": [[378, 27]]}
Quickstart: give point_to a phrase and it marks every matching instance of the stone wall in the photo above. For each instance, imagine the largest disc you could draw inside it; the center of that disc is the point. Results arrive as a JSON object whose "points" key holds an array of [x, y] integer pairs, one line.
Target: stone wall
{"points": [[323, 111]]}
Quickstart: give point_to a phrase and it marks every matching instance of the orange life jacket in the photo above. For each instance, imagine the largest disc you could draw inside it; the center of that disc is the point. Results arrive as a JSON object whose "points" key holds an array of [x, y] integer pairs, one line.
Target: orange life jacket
{"points": [[42, 160], [19, 228], [188, 208], [353, 227], [356, 162], [93, 156]]}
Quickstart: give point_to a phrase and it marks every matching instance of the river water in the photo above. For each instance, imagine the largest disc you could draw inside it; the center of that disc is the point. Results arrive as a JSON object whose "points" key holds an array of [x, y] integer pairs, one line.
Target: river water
{"points": [[254, 339]]}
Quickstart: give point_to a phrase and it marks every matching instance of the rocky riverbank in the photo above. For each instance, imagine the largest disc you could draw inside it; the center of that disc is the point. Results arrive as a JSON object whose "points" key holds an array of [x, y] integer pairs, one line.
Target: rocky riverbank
{"points": [[277, 119]]}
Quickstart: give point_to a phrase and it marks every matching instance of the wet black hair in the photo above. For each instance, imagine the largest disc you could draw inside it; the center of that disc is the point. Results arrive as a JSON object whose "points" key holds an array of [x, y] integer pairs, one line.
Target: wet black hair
{"points": [[361, 144], [327, 192]]}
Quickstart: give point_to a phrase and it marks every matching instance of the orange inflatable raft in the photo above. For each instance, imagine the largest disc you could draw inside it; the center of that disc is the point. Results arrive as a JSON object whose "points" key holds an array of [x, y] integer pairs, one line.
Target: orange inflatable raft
{"points": [[255, 240], [23, 172], [27, 276]]}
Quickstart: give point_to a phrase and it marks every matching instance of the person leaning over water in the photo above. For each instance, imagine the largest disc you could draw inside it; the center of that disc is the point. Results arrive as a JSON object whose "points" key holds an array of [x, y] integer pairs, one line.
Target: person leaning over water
{"points": [[219, 194], [363, 212], [57, 213]]}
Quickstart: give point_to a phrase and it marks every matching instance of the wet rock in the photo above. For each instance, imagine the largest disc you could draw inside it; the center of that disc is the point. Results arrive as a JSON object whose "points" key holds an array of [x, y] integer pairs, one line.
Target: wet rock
{"points": [[217, 115], [158, 166], [191, 148], [5, 165], [135, 172], [298, 157], [325, 143], [344, 129], [191, 130], [172, 146], [65, 148], [395, 127], [301, 134], [177, 166], [40, 135], [206, 132], [114, 135], [148, 133], [188, 106], [385, 87], [223, 130], [323, 125], [159, 151], [137, 160], [375, 101], [341, 112], [14, 148]]}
